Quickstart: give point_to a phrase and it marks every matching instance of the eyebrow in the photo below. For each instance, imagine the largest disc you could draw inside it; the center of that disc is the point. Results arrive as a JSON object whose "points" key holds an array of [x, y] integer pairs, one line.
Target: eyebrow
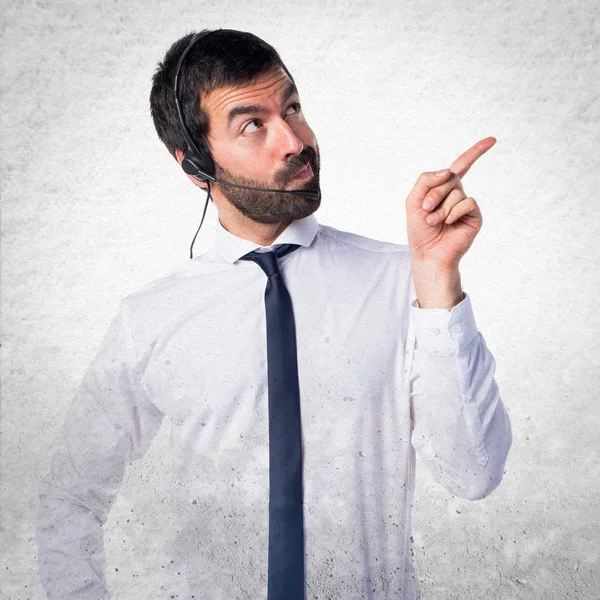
{"points": [[290, 90]]}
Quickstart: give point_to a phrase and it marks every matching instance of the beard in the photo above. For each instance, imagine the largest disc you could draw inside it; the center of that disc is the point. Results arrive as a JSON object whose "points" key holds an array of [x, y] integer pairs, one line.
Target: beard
{"points": [[274, 207]]}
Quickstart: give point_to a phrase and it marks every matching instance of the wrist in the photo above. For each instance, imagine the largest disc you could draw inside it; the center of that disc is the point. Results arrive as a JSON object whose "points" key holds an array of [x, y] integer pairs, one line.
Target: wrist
{"points": [[437, 286]]}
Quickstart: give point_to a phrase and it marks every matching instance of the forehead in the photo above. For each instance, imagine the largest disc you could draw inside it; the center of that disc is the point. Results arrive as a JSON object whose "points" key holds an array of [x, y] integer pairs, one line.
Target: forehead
{"points": [[266, 88]]}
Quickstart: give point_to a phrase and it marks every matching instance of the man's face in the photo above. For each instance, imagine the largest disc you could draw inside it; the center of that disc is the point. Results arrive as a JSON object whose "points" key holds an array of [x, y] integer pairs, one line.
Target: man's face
{"points": [[258, 137]]}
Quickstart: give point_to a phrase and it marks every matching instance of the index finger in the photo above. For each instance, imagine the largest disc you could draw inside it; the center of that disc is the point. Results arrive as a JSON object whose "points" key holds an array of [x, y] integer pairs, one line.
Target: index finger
{"points": [[465, 161]]}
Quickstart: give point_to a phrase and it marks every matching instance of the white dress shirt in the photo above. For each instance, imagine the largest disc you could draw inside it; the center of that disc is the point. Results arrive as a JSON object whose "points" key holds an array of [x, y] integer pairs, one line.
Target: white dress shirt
{"points": [[380, 378]]}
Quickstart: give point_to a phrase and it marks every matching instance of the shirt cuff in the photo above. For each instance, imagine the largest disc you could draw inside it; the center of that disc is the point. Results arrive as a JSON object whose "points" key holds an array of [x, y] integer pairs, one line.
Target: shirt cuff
{"points": [[438, 328]]}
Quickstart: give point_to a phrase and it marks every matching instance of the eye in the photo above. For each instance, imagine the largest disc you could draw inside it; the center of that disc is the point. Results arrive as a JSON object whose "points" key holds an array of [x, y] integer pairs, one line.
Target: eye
{"points": [[245, 129], [295, 105]]}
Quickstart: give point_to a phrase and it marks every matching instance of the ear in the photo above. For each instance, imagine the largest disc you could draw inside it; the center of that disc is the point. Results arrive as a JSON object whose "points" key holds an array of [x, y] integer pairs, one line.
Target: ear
{"points": [[179, 158]]}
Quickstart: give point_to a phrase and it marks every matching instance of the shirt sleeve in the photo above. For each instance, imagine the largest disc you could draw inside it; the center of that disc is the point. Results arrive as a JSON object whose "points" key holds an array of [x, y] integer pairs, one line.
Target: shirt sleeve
{"points": [[461, 429], [110, 422]]}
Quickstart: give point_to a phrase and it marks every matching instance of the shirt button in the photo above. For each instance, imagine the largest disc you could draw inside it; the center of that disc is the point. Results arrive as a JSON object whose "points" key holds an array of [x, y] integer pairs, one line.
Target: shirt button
{"points": [[457, 328], [435, 330]]}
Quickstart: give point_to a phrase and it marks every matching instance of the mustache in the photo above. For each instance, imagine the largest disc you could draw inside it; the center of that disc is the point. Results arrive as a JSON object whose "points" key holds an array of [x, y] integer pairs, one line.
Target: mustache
{"points": [[297, 162]]}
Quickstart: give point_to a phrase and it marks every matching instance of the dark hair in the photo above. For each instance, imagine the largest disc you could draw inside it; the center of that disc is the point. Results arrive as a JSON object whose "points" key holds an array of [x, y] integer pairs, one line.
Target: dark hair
{"points": [[222, 58]]}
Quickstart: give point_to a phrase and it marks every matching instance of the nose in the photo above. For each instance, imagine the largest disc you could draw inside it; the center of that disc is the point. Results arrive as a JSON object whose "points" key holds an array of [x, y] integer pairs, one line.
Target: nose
{"points": [[287, 141]]}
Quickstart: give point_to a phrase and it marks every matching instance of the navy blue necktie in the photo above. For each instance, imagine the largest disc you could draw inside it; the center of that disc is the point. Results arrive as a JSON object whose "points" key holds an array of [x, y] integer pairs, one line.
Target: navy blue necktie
{"points": [[286, 518]]}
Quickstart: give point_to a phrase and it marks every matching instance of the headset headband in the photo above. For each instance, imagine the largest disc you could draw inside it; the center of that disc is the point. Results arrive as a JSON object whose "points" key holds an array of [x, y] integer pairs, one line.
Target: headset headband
{"points": [[186, 133]]}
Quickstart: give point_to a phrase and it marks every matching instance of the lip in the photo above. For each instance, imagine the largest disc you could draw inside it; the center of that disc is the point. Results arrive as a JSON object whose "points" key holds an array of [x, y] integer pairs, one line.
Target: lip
{"points": [[304, 173]]}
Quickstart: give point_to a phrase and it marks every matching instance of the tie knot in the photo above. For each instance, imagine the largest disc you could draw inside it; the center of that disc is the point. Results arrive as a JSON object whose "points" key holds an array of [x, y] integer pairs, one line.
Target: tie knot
{"points": [[268, 260]]}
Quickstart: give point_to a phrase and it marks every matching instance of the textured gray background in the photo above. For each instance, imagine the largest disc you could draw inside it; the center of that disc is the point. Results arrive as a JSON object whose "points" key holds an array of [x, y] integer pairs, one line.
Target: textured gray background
{"points": [[93, 207]]}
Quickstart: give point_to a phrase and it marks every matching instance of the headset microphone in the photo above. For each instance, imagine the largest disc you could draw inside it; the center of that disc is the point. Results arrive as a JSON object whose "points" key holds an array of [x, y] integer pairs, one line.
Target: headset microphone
{"points": [[310, 194], [192, 169], [197, 160]]}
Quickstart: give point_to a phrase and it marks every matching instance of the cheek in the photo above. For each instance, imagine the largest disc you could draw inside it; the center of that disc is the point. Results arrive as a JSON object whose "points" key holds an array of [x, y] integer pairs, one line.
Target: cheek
{"points": [[239, 159], [306, 134]]}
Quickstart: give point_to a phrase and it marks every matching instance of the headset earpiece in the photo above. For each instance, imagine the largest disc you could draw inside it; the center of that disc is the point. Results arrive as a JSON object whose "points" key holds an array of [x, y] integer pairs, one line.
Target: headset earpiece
{"points": [[199, 163], [192, 165]]}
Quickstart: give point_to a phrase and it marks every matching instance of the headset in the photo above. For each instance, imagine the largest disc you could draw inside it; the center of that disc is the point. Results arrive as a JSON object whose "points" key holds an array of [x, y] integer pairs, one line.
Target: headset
{"points": [[197, 160]]}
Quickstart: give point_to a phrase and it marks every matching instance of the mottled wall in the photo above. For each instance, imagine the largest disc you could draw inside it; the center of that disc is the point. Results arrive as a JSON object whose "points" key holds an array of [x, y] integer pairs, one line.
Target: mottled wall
{"points": [[93, 207]]}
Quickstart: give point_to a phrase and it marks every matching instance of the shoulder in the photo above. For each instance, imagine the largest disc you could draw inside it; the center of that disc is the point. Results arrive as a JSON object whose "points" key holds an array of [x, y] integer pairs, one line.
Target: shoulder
{"points": [[178, 283], [353, 242]]}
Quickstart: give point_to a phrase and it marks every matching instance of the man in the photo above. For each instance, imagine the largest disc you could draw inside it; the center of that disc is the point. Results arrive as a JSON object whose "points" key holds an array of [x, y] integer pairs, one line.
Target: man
{"points": [[294, 424]]}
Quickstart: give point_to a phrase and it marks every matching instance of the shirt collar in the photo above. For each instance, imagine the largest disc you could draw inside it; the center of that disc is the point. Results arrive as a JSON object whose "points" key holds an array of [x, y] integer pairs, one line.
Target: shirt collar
{"points": [[231, 247]]}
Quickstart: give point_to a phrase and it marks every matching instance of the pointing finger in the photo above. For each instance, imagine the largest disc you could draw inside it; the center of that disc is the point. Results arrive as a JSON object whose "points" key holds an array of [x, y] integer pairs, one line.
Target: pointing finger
{"points": [[465, 161]]}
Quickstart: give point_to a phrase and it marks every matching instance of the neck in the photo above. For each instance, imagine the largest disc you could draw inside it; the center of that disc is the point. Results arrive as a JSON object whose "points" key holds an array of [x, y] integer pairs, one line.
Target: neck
{"points": [[263, 234]]}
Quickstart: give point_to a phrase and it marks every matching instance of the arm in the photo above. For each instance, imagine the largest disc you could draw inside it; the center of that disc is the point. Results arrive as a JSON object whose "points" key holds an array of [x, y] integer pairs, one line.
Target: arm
{"points": [[461, 429], [460, 426], [110, 422]]}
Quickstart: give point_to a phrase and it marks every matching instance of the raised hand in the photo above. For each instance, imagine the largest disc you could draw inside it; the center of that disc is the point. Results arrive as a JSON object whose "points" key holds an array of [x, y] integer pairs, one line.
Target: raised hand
{"points": [[443, 240]]}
